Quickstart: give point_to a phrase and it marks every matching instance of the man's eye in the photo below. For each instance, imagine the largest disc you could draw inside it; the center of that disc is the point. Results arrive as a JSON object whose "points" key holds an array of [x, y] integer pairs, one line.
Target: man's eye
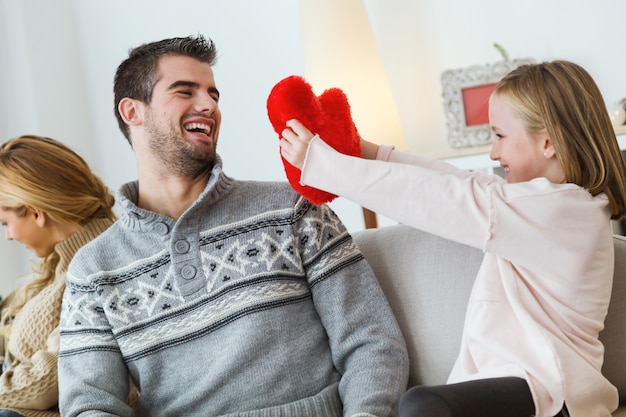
{"points": [[185, 93]]}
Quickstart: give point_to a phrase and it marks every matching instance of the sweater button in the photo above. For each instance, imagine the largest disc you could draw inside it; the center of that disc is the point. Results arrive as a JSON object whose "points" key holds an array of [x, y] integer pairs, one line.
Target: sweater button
{"points": [[181, 246], [161, 228], [188, 272]]}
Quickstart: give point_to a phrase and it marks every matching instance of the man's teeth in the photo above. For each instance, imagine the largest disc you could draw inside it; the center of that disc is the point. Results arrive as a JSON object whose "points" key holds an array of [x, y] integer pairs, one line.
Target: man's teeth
{"points": [[198, 127]]}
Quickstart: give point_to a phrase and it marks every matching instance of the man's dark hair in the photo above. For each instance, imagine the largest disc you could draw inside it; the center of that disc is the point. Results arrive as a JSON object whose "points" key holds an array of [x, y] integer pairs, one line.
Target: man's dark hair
{"points": [[136, 75]]}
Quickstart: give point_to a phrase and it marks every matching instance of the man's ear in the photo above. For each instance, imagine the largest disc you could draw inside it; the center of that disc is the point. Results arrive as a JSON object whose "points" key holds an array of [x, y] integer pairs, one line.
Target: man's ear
{"points": [[131, 111]]}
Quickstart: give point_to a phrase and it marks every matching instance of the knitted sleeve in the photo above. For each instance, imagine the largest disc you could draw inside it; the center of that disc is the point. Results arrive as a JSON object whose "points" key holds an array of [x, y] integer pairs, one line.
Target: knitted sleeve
{"points": [[82, 370], [367, 346], [31, 383]]}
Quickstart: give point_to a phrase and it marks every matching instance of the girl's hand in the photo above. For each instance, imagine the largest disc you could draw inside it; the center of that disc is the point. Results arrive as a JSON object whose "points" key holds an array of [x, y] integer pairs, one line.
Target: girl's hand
{"points": [[295, 142]]}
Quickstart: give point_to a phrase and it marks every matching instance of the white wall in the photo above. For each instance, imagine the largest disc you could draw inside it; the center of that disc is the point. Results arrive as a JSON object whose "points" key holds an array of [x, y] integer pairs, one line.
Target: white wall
{"points": [[420, 39], [58, 60]]}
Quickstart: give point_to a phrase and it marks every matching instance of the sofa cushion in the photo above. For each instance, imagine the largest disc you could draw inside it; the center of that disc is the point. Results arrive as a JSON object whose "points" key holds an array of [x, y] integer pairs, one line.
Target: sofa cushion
{"points": [[427, 280]]}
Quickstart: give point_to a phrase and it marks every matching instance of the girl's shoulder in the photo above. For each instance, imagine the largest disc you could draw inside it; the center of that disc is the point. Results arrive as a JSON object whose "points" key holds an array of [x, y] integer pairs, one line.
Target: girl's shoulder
{"points": [[542, 188]]}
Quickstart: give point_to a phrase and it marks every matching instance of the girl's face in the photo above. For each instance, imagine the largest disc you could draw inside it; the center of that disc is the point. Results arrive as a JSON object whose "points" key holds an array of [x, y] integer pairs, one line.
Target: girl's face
{"points": [[522, 156], [28, 230]]}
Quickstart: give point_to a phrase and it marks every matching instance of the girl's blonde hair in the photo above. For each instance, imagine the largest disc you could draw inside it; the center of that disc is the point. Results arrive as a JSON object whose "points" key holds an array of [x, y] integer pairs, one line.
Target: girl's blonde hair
{"points": [[563, 98], [40, 172]]}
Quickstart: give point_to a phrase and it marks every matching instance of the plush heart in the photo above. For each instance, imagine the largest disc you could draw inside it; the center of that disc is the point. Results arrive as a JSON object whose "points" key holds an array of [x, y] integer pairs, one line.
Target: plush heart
{"points": [[327, 115]]}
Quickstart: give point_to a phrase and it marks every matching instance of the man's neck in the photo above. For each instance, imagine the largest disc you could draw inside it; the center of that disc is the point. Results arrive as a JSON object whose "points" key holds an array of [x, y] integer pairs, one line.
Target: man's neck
{"points": [[170, 196]]}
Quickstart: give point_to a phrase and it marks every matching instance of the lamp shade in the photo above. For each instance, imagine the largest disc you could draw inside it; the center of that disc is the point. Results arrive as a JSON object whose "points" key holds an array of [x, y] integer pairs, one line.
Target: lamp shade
{"points": [[340, 51]]}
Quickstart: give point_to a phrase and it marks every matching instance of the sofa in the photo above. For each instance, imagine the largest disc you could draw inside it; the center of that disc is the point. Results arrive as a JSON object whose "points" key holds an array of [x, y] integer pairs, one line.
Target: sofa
{"points": [[427, 280]]}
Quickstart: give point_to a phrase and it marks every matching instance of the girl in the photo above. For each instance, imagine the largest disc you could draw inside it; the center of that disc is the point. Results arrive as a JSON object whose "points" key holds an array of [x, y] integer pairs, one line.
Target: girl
{"points": [[52, 203], [530, 342]]}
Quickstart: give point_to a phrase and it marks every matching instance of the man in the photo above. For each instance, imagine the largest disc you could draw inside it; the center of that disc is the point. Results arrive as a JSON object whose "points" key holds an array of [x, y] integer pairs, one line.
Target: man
{"points": [[217, 296]]}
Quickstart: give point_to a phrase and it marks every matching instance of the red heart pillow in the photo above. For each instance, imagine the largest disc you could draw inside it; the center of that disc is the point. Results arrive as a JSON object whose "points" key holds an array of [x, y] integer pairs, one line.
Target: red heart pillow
{"points": [[327, 115]]}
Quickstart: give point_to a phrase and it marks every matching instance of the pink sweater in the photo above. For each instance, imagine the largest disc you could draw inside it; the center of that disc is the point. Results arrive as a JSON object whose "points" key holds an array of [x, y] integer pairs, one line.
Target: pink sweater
{"points": [[543, 289]]}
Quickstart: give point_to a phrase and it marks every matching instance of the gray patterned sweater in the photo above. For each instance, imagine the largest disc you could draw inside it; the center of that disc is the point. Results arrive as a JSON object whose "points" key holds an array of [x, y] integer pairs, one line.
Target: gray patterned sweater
{"points": [[253, 303]]}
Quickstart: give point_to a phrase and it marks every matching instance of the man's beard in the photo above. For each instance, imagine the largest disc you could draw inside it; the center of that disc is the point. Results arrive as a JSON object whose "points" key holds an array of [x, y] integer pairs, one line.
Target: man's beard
{"points": [[177, 156]]}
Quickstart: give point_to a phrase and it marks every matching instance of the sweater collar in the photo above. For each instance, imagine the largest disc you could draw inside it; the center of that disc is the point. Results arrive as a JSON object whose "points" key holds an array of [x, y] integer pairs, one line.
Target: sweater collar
{"points": [[67, 248], [218, 185]]}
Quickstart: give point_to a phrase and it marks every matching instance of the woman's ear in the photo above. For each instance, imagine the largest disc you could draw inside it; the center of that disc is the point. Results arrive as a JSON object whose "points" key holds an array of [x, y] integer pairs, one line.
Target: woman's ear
{"points": [[130, 111], [38, 215]]}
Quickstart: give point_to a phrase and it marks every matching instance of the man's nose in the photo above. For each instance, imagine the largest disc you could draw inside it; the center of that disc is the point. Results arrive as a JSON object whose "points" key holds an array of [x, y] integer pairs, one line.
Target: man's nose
{"points": [[206, 103]]}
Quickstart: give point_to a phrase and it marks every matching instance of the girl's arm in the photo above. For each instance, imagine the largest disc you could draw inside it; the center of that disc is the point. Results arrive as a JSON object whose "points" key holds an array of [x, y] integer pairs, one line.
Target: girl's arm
{"points": [[296, 138], [295, 141], [369, 150]]}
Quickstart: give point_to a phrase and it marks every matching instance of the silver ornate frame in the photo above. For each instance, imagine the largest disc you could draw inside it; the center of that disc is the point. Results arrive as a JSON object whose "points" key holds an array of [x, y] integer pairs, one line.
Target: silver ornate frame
{"points": [[453, 83]]}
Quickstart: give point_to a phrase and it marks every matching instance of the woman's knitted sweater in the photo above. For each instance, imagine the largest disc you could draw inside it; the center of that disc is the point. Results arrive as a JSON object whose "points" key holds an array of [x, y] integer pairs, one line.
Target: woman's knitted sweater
{"points": [[30, 386]]}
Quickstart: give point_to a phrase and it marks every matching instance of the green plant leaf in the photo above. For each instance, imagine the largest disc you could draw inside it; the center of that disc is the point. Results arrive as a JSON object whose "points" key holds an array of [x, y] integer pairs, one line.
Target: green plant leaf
{"points": [[503, 52]]}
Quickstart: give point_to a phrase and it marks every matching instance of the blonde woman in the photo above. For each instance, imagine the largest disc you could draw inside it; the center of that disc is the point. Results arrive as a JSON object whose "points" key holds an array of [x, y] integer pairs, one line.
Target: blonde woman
{"points": [[51, 202]]}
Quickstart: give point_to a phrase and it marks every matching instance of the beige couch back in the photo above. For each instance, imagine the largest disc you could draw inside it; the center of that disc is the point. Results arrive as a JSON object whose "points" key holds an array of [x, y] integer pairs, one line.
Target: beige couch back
{"points": [[428, 279]]}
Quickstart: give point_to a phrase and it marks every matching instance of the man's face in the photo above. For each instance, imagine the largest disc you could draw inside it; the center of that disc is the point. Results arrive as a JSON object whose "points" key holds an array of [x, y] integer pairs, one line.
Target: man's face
{"points": [[183, 117]]}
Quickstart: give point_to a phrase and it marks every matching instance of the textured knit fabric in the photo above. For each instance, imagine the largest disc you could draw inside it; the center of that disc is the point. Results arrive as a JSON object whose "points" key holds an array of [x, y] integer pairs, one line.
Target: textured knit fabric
{"points": [[253, 303], [543, 289], [30, 386]]}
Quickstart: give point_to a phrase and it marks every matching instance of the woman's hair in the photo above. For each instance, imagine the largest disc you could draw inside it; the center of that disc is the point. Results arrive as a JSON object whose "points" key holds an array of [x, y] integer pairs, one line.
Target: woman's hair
{"points": [[39, 172], [136, 76], [563, 98]]}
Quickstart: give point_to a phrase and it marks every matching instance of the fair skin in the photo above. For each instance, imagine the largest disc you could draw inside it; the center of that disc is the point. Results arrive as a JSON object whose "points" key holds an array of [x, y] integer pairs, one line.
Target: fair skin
{"points": [[522, 156], [175, 136], [294, 142], [36, 231]]}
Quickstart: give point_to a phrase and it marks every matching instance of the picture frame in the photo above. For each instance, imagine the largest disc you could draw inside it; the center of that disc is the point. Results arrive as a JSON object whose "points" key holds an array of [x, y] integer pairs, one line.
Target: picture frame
{"points": [[466, 94]]}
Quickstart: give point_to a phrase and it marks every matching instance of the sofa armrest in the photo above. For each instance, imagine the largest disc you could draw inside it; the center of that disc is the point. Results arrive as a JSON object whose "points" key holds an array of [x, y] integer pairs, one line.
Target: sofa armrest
{"points": [[614, 334]]}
